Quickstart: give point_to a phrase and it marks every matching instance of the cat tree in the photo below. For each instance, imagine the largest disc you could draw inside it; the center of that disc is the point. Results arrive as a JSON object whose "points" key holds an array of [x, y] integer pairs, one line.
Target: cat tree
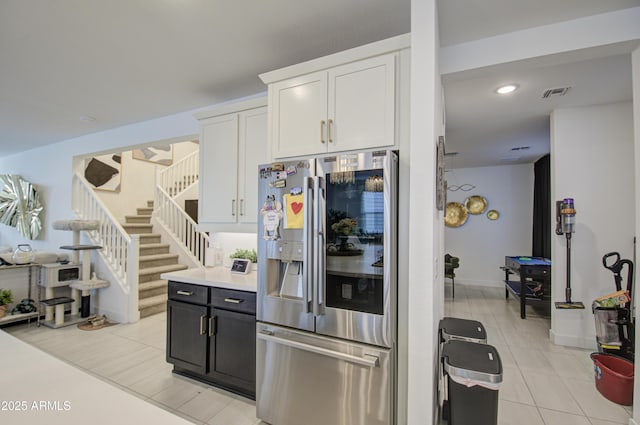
{"points": [[86, 281]]}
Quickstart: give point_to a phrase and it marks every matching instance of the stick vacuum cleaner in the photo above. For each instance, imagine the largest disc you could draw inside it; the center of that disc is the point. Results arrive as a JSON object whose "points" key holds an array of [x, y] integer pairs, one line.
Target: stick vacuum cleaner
{"points": [[567, 227]]}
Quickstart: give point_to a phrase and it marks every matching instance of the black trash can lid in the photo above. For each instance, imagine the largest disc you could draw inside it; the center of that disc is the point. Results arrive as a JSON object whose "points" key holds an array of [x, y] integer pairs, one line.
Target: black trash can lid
{"points": [[470, 330], [471, 361]]}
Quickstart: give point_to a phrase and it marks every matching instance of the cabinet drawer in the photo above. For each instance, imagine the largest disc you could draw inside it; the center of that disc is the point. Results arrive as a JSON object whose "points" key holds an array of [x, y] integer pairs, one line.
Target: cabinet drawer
{"points": [[194, 294], [244, 302]]}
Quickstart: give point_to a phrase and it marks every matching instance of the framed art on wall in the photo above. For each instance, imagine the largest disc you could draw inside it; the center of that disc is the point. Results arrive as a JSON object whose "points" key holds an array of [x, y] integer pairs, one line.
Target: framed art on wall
{"points": [[104, 171], [162, 155]]}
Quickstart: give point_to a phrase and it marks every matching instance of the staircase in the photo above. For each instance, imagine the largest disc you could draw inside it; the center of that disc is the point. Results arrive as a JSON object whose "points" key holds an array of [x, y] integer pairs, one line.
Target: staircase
{"points": [[154, 260]]}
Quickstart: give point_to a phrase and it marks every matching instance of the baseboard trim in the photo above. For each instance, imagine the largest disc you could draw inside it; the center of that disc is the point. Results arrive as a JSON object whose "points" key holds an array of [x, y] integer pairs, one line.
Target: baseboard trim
{"points": [[112, 316], [572, 341]]}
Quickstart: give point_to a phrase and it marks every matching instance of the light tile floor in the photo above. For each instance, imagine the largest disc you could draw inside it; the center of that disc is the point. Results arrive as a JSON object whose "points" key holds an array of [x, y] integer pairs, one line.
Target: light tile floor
{"points": [[543, 384], [132, 357]]}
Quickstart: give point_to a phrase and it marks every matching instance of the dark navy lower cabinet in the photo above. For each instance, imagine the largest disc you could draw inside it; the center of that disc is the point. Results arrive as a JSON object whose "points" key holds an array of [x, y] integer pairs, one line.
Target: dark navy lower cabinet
{"points": [[211, 336]]}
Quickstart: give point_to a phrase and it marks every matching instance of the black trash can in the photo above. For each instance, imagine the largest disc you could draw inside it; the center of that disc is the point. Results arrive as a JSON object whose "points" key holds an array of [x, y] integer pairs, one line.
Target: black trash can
{"points": [[474, 373], [462, 329], [454, 328]]}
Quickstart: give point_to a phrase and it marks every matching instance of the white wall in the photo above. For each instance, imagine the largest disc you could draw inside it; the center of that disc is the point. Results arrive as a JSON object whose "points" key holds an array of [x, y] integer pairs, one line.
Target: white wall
{"points": [[592, 161], [424, 302], [50, 169], [137, 181], [635, 60], [480, 243]]}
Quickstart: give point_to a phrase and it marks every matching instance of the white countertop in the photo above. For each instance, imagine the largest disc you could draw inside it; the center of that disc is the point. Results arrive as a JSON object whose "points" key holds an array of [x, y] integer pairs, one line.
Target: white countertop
{"points": [[219, 277], [41, 389]]}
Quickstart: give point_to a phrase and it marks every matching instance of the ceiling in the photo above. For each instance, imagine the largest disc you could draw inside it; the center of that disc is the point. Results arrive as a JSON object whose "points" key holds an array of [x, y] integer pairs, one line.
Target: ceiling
{"points": [[128, 61]]}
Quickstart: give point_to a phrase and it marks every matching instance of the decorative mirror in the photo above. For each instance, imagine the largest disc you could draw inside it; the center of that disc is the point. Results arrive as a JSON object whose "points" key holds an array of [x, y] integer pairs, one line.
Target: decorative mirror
{"points": [[20, 205]]}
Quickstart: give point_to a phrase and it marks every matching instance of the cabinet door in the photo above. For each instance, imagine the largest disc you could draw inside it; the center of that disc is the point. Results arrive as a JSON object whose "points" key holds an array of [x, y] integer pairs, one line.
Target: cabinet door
{"points": [[362, 104], [233, 359], [218, 170], [186, 336], [299, 114], [252, 151]]}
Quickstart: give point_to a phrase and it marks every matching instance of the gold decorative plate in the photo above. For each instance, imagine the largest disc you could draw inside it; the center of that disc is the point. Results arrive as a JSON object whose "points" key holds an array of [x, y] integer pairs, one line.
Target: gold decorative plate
{"points": [[455, 214], [475, 204], [493, 215]]}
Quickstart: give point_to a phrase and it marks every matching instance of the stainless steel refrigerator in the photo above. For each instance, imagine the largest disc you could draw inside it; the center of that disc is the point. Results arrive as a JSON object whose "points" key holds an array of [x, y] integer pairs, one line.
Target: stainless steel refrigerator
{"points": [[326, 306]]}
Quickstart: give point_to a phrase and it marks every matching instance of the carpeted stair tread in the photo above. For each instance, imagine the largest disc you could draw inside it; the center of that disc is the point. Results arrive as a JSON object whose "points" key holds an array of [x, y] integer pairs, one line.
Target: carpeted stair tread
{"points": [[146, 236], [152, 301], [162, 269], [157, 257], [137, 225], [156, 260], [153, 284], [137, 228], [153, 248], [137, 218]]}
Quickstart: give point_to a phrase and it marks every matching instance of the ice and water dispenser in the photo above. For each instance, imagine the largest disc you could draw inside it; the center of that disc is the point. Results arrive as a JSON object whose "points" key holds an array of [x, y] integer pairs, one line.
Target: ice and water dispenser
{"points": [[285, 268]]}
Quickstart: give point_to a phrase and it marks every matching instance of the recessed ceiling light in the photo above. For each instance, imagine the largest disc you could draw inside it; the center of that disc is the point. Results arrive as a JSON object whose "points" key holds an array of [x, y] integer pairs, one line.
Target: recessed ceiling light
{"points": [[509, 88], [87, 118]]}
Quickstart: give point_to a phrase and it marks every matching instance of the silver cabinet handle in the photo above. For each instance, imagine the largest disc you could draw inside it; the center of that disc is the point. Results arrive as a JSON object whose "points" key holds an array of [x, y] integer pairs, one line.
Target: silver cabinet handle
{"points": [[367, 360], [202, 324], [233, 207], [212, 325], [187, 293], [329, 124], [241, 206], [233, 300], [322, 131]]}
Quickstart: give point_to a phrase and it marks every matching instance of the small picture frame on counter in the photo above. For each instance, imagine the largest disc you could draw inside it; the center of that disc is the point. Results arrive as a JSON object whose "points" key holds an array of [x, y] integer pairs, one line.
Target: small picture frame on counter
{"points": [[240, 266]]}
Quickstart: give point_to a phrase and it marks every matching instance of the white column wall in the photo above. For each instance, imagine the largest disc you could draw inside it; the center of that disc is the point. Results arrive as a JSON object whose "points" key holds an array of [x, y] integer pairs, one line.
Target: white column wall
{"points": [[480, 243], [592, 161], [635, 63], [425, 303]]}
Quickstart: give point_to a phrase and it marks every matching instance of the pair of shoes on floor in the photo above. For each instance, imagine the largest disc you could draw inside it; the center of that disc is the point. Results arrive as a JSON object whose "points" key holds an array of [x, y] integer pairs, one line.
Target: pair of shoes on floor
{"points": [[96, 320]]}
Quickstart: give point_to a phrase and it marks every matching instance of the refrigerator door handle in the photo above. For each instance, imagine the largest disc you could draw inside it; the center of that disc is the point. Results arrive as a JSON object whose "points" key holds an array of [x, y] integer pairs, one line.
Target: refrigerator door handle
{"points": [[318, 246], [306, 245], [367, 360]]}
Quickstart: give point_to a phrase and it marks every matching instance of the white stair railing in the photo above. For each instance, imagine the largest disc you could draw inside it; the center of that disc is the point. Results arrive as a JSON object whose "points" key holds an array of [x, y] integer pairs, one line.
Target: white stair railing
{"points": [[120, 250], [179, 176], [177, 222]]}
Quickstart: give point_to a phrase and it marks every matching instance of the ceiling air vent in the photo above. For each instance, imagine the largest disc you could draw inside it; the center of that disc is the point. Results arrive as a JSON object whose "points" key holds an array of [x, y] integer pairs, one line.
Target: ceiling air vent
{"points": [[559, 91]]}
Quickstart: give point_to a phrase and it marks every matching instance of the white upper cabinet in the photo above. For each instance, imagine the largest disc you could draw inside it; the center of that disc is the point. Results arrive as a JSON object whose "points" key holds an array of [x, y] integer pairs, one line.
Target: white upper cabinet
{"points": [[231, 148], [362, 105], [342, 108], [219, 170], [300, 115], [252, 151]]}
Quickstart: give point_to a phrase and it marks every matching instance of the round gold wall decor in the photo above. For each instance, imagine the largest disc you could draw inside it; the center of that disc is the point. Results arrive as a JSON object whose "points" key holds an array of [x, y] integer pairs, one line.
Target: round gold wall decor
{"points": [[475, 204], [493, 215], [455, 214]]}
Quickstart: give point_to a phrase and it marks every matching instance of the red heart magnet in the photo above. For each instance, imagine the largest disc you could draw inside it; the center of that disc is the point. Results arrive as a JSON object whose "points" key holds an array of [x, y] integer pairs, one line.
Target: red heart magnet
{"points": [[296, 207]]}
